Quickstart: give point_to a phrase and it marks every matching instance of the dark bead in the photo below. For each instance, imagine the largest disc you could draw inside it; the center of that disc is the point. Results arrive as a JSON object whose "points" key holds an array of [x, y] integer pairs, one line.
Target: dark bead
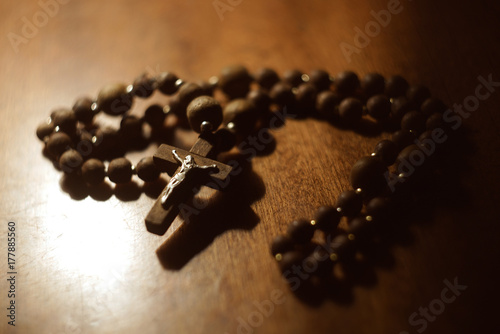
{"points": [[349, 203], [400, 106], [343, 248], [143, 86], [235, 81], [168, 83], [327, 102], [396, 86], [105, 139], [70, 161], [290, 259], [435, 121], [379, 107], [281, 94], [386, 150], [379, 208], [261, 100], [361, 228], [93, 171], [351, 110], [44, 130], [207, 88], [154, 116], [410, 159], [368, 173], [372, 84], [114, 99], [120, 170], [282, 244], [346, 83], [204, 109], [413, 121], [58, 143], [418, 94], [147, 170], [131, 127], [241, 115], [187, 93], [301, 231], [226, 139], [64, 120], [175, 107], [266, 78], [293, 78], [83, 110], [433, 105], [305, 96], [403, 138], [320, 259], [327, 218], [320, 79]]}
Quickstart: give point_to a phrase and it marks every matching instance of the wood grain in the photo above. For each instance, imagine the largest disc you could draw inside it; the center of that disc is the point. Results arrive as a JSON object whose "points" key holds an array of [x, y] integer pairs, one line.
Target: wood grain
{"points": [[86, 263]]}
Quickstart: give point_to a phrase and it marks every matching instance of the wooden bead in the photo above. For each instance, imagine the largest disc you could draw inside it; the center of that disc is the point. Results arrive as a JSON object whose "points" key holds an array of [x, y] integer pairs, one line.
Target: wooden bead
{"points": [[417, 94], [293, 78], [368, 173], [379, 208], [44, 130], [147, 170], [411, 160], [204, 109], [187, 93], [413, 121], [301, 231], [93, 171], [261, 100], [349, 203], [282, 244], [266, 78], [143, 86], [435, 121], [400, 106], [106, 139], [351, 110], [386, 150], [120, 170], [403, 138], [346, 83], [241, 116], [379, 107], [343, 248], [305, 96], [320, 79], [226, 139], [372, 84], [235, 81], [58, 143], [361, 228], [70, 161], [154, 116], [433, 105], [282, 94], [290, 259], [83, 110], [168, 83], [396, 86], [327, 218], [327, 103], [131, 127], [64, 120], [114, 99], [206, 87]]}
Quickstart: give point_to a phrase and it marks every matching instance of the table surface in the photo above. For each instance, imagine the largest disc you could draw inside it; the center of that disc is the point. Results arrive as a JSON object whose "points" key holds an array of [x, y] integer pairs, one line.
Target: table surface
{"points": [[86, 264]]}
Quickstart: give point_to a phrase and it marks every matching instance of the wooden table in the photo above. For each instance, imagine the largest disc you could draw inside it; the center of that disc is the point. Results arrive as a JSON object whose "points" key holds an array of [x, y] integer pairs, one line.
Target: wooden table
{"points": [[87, 264]]}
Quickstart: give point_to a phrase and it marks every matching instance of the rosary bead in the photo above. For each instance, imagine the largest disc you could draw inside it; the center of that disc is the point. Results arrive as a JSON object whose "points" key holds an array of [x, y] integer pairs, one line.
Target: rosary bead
{"points": [[143, 86], [347, 83], [320, 259], [417, 95], [206, 87], [305, 96], [168, 83], [83, 110], [386, 150], [282, 244], [327, 102], [44, 130], [343, 248], [261, 100], [293, 78], [105, 139], [187, 93], [327, 218], [226, 139], [301, 231], [58, 143], [282, 94], [70, 160], [120, 170], [241, 116], [147, 170], [290, 259], [372, 84], [435, 121], [361, 228], [131, 127], [400, 106], [235, 81], [204, 109], [351, 110], [433, 105], [379, 208], [64, 120], [368, 173], [93, 171], [154, 116], [379, 107], [266, 78], [413, 121], [114, 99], [349, 203], [403, 138], [414, 156], [320, 79], [396, 86]]}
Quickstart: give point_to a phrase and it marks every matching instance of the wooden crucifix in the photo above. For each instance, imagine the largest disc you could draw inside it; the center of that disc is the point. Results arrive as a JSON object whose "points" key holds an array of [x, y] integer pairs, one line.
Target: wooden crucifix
{"points": [[188, 169]]}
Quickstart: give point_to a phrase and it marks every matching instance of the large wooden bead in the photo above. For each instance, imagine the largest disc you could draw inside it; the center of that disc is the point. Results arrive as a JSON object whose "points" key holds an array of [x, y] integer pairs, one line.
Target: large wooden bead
{"points": [[349, 203], [417, 94], [114, 99], [368, 173], [351, 110], [301, 231], [120, 170], [147, 170], [293, 77], [44, 130], [327, 102], [83, 110], [320, 79], [187, 93], [282, 94], [58, 143], [396, 86], [403, 138], [327, 218], [386, 150], [261, 100], [93, 171], [343, 248], [305, 95], [64, 120], [241, 116], [379, 107], [413, 121], [143, 86], [154, 116], [361, 228], [131, 127], [204, 109], [372, 84], [400, 106], [347, 83], [70, 161], [266, 78], [168, 83], [235, 81]]}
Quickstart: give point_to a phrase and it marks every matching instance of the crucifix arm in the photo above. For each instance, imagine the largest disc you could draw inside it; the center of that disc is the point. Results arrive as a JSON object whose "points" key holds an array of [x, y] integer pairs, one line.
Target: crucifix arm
{"points": [[176, 156], [206, 167]]}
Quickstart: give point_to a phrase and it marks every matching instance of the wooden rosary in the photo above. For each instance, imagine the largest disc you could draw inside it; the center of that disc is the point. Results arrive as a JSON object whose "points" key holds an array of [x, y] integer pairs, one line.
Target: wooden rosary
{"points": [[245, 104]]}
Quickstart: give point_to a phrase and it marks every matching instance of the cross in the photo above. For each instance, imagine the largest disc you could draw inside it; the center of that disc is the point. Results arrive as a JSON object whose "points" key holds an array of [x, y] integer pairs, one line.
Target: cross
{"points": [[188, 169]]}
